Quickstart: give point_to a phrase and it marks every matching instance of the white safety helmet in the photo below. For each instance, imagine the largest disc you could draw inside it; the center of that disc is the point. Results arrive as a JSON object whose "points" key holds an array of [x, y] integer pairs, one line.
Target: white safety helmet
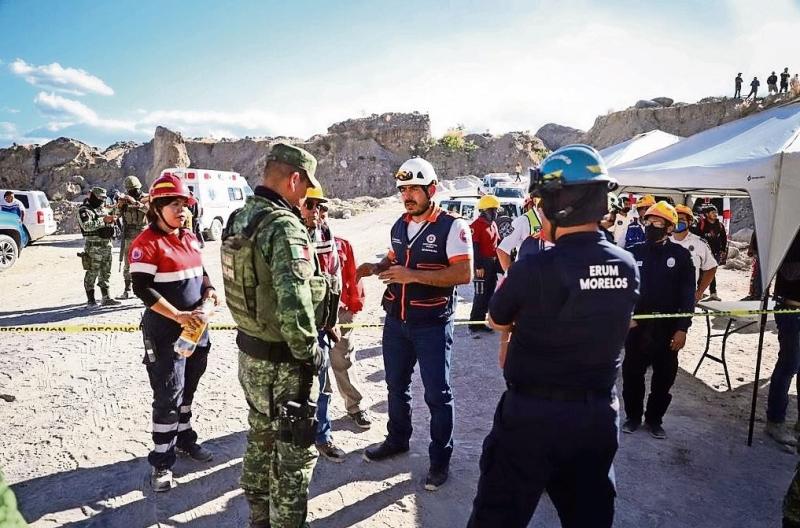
{"points": [[415, 171]]}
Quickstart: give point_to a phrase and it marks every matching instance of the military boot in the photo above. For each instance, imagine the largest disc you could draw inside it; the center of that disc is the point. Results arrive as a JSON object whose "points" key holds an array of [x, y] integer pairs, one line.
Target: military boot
{"points": [[90, 300], [127, 293], [107, 301]]}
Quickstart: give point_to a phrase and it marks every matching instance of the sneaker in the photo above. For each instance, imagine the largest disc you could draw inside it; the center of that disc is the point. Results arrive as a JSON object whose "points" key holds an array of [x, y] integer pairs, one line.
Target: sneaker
{"points": [[436, 478], [108, 301], [360, 419], [656, 431], [161, 480], [383, 451], [714, 297], [780, 434], [630, 426], [196, 452], [124, 295], [331, 452]]}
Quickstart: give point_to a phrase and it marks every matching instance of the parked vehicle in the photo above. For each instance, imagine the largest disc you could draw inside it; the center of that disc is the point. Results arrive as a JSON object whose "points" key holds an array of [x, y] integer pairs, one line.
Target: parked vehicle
{"points": [[13, 237], [506, 190], [218, 194], [39, 220], [466, 207]]}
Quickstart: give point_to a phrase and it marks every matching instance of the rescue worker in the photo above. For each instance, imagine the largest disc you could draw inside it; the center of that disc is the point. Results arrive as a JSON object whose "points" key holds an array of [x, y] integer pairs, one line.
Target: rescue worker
{"points": [[169, 277], [555, 427], [634, 234], [97, 227], [484, 246], [279, 300], [713, 231], [325, 247], [705, 265], [668, 286], [431, 253], [787, 297], [522, 228], [132, 208], [351, 302]]}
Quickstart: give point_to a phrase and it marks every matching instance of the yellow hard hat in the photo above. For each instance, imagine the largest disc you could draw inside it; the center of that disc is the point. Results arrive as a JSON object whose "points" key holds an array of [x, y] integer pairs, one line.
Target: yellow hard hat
{"points": [[645, 201], [488, 201], [315, 193], [663, 210], [684, 209]]}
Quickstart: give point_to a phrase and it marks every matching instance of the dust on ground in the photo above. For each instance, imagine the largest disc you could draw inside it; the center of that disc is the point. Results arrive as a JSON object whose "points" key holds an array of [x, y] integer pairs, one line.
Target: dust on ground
{"points": [[74, 441]]}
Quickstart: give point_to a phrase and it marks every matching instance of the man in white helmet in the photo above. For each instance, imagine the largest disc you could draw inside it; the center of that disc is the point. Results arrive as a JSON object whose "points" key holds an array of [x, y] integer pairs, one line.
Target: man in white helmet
{"points": [[431, 253]]}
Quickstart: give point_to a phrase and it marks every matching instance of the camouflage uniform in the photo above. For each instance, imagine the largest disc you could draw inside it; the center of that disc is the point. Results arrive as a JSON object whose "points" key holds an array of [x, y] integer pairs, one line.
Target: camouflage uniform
{"points": [[9, 516], [134, 219], [97, 246], [276, 311], [791, 503]]}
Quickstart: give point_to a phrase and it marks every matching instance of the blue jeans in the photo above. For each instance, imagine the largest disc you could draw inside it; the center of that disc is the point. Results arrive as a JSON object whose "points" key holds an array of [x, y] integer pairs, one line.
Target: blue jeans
{"points": [[405, 344], [786, 367], [324, 400]]}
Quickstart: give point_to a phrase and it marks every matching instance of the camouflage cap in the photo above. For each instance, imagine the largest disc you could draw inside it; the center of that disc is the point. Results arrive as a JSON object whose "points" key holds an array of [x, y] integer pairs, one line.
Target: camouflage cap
{"points": [[296, 157], [99, 192]]}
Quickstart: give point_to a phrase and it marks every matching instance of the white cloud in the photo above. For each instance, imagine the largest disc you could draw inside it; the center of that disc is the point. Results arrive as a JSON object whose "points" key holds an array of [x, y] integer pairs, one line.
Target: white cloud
{"points": [[8, 131], [57, 77], [64, 112], [10, 110]]}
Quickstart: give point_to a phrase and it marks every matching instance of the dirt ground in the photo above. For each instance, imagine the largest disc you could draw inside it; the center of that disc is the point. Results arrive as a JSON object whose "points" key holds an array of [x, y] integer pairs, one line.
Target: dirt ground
{"points": [[74, 440]]}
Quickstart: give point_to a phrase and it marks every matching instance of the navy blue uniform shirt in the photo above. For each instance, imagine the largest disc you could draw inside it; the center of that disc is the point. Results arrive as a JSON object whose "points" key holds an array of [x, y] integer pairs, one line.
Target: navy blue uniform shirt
{"points": [[668, 280], [571, 307]]}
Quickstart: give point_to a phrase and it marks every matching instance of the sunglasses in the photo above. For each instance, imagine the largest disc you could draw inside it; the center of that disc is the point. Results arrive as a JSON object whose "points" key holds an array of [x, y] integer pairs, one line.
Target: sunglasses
{"points": [[313, 204], [654, 223]]}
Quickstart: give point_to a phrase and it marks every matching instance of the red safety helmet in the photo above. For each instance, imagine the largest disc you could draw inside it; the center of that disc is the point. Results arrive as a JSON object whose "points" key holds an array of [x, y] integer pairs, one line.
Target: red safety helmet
{"points": [[169, 185]]}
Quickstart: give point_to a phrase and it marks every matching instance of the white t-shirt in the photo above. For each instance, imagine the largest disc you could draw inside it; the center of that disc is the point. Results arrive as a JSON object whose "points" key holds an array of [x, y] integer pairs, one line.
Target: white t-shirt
{"points": [[520, 230], [702, 257], [459, 239]]}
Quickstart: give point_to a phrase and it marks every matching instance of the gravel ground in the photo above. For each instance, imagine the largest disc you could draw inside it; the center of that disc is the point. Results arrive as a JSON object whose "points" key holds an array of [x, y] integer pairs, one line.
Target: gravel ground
{"points": [[75, 437]]}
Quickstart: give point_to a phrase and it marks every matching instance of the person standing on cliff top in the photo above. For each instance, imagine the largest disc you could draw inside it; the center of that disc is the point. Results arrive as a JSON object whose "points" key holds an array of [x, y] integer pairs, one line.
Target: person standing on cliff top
{"points": [[754, 84], [737, 94]]}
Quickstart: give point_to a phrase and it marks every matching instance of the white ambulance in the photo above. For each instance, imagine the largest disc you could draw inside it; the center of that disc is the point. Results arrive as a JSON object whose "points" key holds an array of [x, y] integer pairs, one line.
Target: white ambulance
{"points": [[218, 194]]}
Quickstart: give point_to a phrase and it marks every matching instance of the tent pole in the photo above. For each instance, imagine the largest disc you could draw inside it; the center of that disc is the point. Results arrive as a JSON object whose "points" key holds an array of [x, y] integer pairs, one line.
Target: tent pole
{"points": [[762, 329]]}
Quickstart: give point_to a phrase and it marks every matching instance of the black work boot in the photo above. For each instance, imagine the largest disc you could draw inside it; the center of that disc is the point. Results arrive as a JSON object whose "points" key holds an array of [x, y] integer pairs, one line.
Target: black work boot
{"points": [[90, 301], [127, 293], [107, 301]]}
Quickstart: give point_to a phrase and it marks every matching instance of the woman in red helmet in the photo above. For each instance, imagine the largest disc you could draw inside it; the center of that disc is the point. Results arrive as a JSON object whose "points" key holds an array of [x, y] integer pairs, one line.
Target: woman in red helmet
{"points": [[168, 276]]}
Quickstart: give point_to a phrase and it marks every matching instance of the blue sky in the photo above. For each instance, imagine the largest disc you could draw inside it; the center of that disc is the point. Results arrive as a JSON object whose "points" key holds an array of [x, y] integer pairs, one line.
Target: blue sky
{"points": [[108, 71]]}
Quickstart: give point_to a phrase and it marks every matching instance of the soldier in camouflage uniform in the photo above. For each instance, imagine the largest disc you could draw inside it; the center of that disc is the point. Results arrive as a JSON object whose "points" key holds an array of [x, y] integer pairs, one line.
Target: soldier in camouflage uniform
{"points": [[9, 515], [133, 211], [97, 227], [276, 294]]}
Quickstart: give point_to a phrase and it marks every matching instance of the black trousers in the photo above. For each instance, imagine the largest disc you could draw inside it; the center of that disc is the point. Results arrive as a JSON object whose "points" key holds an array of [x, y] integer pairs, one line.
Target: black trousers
{"points": [[738, 92], [484, 289], [648, 345], [174, 380], [537, 445]]}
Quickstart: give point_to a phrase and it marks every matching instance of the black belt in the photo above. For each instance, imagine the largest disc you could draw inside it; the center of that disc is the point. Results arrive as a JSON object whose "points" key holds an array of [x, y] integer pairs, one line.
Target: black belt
{"points": [[275, 352], [559, 393]]}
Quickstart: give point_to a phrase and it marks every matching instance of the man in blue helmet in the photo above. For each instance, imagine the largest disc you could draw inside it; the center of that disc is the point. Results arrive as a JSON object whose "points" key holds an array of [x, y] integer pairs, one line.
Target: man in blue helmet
{"points": [[555, 428]]}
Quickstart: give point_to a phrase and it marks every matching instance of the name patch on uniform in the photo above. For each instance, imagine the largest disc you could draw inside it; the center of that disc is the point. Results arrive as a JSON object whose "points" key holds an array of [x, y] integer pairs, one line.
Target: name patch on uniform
{"points": [[604, 277]]}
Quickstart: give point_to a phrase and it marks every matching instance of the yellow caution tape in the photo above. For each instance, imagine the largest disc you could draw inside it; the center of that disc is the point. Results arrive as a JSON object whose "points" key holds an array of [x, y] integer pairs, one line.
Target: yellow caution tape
{"points": [[78, 328]]}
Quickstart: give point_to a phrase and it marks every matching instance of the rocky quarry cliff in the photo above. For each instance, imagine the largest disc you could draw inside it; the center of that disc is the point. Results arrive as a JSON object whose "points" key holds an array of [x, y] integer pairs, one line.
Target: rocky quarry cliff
{"points": [[356, 157]]}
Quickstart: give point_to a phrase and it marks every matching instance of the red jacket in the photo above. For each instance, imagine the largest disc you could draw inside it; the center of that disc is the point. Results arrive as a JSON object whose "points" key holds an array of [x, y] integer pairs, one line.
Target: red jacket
{"points": [[352, 290], [484, 237]]}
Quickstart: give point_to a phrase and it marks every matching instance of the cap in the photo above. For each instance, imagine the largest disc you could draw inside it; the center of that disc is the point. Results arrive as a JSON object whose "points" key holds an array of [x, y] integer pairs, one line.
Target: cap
{"points": [[99, 192], [296, 157]]}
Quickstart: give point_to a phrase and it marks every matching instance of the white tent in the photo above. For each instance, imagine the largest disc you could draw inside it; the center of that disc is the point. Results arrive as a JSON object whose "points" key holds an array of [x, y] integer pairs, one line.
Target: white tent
{"points": [[637, 146], [757, 156]]}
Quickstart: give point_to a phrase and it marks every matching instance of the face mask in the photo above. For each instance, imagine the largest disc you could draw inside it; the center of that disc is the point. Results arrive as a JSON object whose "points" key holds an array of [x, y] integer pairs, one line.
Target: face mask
{"points": [[654, 234], [491, 215], [681, 227], [94, 201]]}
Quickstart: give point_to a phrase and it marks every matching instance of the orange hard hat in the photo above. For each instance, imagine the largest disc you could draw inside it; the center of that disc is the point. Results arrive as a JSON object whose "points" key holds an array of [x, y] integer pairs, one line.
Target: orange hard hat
{"points": [[645, 201], [685, 210], [663, 210]]}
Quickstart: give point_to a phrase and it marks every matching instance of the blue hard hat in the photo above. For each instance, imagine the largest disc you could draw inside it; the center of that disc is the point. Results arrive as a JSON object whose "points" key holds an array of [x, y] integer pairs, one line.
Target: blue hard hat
{"points": [[571, 165]]}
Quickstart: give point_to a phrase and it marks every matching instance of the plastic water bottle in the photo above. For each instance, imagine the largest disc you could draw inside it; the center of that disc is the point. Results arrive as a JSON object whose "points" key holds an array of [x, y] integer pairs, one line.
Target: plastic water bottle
{"points": [[192, 333]]}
